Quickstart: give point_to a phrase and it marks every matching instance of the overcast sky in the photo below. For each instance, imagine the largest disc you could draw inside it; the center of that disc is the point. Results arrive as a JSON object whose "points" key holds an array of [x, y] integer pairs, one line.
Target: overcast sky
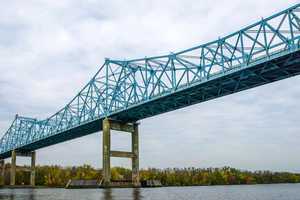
{"points": [[50, 49]]}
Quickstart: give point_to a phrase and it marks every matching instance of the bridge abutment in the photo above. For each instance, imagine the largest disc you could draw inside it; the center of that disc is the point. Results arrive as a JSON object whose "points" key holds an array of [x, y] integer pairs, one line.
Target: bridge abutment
{"points": [[14, 155], [132, 128]]}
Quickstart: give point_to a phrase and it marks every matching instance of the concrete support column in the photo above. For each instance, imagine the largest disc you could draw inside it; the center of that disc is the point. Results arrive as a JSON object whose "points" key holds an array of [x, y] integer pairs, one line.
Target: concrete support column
{"points": [[32, 169], [13, 168], [106, 151], [2, 163], [131, 128], [135, 158]]}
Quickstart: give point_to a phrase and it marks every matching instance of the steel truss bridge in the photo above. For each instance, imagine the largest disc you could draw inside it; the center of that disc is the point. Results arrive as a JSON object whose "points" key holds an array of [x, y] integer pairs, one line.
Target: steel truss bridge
{"points": [[130, 90]]}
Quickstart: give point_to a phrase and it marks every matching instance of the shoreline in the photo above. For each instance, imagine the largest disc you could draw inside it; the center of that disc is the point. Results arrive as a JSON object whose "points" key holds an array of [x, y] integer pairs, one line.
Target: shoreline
{"points": [[165, 186]]}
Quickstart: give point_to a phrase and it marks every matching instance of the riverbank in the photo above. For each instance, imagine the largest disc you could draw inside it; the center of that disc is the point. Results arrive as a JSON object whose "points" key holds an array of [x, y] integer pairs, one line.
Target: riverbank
{"points": [[57, 176]]}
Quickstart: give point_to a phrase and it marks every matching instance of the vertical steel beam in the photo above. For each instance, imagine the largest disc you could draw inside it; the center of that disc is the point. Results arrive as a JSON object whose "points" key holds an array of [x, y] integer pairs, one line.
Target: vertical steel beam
{"points": [[13, 168], [106, 152], [2, 163], [135, 158], [32, 169]]}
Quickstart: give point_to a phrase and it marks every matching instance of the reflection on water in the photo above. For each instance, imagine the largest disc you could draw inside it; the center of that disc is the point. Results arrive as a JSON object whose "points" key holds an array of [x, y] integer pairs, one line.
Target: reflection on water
{"points": [[108, 194], [136, 194], [249, 192], [14, 194]]}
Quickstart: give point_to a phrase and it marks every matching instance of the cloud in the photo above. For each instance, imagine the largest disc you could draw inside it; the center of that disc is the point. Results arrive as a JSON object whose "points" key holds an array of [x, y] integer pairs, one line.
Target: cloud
{"points": [[50, 49]]}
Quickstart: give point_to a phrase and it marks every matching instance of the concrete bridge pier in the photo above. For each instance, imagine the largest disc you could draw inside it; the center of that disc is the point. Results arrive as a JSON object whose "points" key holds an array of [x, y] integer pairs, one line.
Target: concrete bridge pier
{"points": [[13, 168], [14, 155], [135, 157], [32, 169], [132, 128]]}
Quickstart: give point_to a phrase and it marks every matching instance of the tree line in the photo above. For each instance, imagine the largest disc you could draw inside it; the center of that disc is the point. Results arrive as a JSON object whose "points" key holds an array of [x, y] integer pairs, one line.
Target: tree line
{"points": [[57, 176]]}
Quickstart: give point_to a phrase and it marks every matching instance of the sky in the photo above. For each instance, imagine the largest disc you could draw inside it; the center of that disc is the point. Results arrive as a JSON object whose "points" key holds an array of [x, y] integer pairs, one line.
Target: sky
{"points": [[50, 49]]}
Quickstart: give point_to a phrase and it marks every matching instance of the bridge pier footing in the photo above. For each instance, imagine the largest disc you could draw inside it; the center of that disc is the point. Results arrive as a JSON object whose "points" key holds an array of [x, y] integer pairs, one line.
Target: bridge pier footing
{"points": [[14, 155], [108, 125]]}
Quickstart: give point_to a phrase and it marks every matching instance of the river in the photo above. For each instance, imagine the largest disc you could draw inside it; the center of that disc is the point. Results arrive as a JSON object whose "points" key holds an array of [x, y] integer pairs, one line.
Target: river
{"points": [[241, 192]]}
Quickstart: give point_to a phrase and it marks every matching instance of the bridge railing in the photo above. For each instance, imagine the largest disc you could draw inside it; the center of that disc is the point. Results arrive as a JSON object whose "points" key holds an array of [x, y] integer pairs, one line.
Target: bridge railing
{"points": [[119, 85]]}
